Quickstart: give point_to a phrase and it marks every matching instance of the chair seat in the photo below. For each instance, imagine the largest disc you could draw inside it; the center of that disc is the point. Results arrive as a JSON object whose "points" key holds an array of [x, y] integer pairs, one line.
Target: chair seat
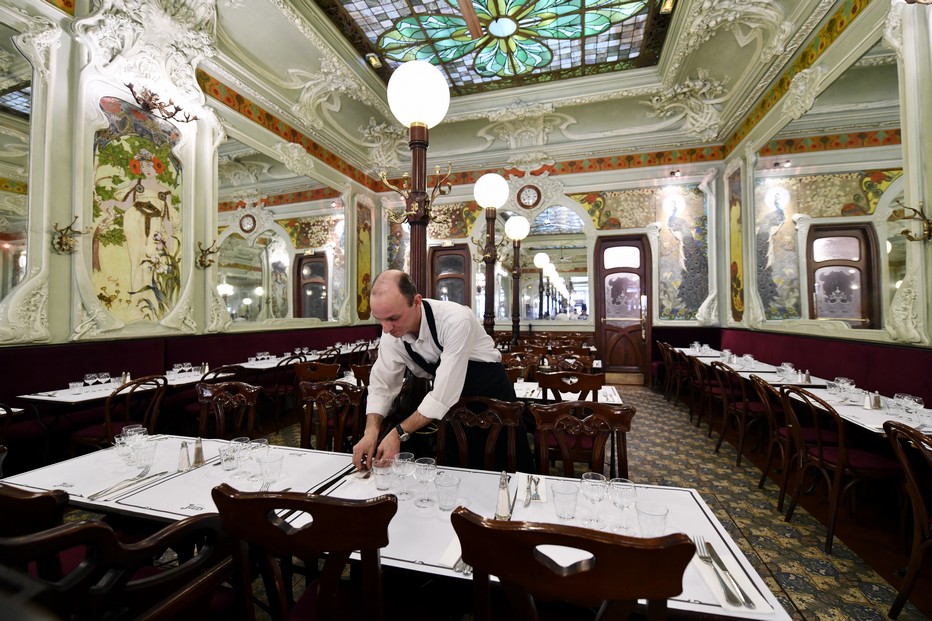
{"points": [[859, 459], [809, 435]]}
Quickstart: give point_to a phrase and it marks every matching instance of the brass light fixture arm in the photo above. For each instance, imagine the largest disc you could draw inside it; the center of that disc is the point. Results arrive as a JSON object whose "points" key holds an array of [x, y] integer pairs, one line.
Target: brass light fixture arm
{"points": [[910, 213]]}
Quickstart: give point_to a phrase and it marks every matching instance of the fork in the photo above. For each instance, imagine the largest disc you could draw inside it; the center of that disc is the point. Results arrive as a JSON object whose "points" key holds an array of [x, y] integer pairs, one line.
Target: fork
{"points": [[535, 495], [706, 558], [126, 482]]}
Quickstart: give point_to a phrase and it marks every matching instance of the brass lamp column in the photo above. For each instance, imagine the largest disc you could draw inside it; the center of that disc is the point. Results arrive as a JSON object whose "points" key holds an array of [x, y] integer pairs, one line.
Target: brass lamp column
{"points": [[516, 229], [418, 96], [491, 192], [541, 260]]}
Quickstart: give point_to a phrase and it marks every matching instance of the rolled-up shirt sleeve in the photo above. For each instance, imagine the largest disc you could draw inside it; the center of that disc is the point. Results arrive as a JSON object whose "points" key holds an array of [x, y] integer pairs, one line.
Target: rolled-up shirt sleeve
{"points": [[385, 380]]}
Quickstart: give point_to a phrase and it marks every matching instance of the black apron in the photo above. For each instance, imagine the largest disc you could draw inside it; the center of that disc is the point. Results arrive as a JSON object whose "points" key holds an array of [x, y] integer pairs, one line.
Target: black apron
{"points": [[483, 379]]}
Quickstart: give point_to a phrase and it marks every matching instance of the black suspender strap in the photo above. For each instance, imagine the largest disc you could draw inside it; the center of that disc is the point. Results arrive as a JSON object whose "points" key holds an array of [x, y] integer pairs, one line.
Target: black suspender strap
{"points": [[430, 367]]}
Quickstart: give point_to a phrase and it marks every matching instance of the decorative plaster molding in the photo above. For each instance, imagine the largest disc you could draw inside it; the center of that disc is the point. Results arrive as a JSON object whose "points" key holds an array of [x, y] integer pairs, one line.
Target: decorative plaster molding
{"points": [[903, 321], [695, 101], [15, 204], [551, 191], [893, 29], [152, 40], [804, 89], [707, 315], [181, 318], [519, 110], [706, 185], [322, 90], [528, 162], [524, 126], [37, 42], [94, 321], [218, 319], [295, 158], [235, 172], [386, 142], [264, 219], [27, 309]]}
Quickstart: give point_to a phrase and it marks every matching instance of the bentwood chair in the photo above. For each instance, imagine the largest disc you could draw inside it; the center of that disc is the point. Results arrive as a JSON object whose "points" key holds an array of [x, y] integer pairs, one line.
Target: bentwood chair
{"points": [[705, 392], [315, 371], [337, 528], [331, 355], [913, 450], [577, 431], [680, 375], [84, 571], [279, 385], [228, 409], [493, 417], [555, 383], [739, 406], [337, 409], [571, 362], [617, 572], [778, 435], [841, 466], [136, 401]]}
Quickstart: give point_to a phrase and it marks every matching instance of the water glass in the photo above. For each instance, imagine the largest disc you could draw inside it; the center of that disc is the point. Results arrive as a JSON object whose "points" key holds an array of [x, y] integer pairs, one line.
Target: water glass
{"points": [[382, 469], [228, 458], [403, 467], [123, 448], [564, 496], [786, 371], [623, 494], [695, 347], [75, 387], [241, 445], [448, 488], [144, 453], [103, 377], [594, 489], [425, 471], [270, 466], [652, 518]]}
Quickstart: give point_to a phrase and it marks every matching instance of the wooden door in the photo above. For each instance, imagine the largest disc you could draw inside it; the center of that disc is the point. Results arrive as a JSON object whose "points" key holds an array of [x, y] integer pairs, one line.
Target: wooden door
{"points": [[622, 294]]}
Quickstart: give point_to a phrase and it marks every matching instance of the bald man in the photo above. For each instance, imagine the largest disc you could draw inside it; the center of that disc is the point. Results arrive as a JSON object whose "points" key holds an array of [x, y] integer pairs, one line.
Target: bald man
{"points": [[443, 341]]}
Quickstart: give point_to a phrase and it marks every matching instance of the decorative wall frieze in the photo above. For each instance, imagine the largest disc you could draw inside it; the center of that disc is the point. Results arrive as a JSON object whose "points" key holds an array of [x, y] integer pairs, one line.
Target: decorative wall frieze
{"points": [[893, 29], [551, 190], [804, 89], [295, 158], [746, 19], [37, 42], [322, 90], [25, 311], [152, 40], [696, 102], [386, 142], [531, 161], [903, 319], [218, 319], [707, 315]]}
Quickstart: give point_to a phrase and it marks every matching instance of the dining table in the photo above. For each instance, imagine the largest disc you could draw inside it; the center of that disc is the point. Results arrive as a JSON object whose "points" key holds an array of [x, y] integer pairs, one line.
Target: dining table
{"points": [[531, 391], [421, 539]]}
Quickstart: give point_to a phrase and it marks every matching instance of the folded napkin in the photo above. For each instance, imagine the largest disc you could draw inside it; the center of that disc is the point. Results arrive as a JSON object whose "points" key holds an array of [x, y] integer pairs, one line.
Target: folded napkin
{"points": [[708, 575], [451, 554], [522, 487]]}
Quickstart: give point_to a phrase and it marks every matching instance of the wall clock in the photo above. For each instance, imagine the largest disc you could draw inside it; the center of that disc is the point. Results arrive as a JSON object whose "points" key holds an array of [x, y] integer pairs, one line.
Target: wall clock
{"points": [[247, 223], [529, 196]]}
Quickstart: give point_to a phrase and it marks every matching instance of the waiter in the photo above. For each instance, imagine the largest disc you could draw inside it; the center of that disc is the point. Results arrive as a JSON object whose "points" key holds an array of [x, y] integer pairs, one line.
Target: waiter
{"points": [[443, 341]]}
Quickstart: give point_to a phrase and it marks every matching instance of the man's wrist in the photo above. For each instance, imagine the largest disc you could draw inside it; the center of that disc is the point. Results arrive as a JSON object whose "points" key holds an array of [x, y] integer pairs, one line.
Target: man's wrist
{"points": [[402, 434]]}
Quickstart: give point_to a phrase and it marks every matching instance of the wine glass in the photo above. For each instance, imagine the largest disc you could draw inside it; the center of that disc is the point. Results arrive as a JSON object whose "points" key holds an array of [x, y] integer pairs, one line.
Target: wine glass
{"points": [[594, 489], [425, 471], [103, 377], [90, 378], [624, 495], [403, 466], [186, 366]]}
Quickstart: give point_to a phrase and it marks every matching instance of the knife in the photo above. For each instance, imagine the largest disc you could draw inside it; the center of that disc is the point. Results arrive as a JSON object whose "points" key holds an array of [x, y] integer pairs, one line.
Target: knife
{"points": [[125, 484], [731, 579], [527, 493], [511, 510]]}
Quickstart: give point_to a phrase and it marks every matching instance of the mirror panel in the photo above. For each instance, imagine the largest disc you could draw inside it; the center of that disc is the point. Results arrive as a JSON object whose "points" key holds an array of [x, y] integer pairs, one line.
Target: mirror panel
{"points": [[15, 112], [287, 238]]}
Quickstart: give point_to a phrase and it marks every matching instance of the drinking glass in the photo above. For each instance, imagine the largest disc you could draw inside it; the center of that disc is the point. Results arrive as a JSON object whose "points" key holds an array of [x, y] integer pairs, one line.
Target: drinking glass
{"points": [[186, 366], [144, 453], [242, 446], [594, 489], [256, 450], [448, 486], [177, 367], [123, 448], [786, 371], [90, 378], [135, 435], [103, 377], [564, 496], [425, 471], [624, 494], [403, 466], [382, 469], [270, 467], [652, 518]]}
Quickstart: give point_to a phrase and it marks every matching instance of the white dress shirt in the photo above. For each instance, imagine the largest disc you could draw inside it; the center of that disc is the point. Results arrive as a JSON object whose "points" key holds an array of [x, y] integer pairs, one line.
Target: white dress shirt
{"points": [[463, 339]]}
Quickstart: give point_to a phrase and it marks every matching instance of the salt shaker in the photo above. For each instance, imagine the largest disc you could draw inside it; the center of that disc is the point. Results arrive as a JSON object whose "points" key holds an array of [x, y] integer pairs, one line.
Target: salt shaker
{"points": [[198, 453], [184, 460], [868, 402], [875, 402], [502, 505]]}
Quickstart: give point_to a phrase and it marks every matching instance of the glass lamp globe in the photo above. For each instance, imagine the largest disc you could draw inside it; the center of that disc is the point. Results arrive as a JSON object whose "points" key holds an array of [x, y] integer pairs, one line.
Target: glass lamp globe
{"points": [[491, 190], [517, 228], [418, 93], [541, 260]]}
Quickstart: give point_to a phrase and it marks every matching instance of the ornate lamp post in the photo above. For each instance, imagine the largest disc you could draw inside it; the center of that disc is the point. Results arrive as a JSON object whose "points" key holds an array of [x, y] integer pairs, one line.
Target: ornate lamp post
{"points": [[418, 96], [541, 261], [516, 228], [491, 192]]}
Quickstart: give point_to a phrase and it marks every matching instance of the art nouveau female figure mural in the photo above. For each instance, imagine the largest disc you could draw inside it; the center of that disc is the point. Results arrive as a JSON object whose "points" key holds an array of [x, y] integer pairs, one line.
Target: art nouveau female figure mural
{"points": [[136, 243]]}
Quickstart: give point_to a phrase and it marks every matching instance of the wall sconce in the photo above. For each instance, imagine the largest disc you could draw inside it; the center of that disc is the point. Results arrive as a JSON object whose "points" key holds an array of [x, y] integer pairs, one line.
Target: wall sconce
{"points": [[65, 240], [203, 257], [373, 60], [676, 173], [782, 164], [908, 213]]}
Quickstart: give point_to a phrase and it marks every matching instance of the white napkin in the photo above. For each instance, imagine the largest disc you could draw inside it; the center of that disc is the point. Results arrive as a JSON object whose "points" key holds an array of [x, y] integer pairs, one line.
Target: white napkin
{"points": [[451, 554], [522, 487], [708, 575]]}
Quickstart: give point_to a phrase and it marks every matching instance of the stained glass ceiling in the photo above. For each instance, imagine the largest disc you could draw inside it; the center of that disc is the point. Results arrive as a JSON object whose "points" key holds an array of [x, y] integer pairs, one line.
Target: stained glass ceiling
{"points": [[511, 43]]}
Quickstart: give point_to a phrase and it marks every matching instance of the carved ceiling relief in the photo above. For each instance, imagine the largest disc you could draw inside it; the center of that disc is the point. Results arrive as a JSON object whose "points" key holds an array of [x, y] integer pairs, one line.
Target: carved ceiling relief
{"points": [[385, 143], [804, 89], [37, 42], [295, 158], [696, 102]]}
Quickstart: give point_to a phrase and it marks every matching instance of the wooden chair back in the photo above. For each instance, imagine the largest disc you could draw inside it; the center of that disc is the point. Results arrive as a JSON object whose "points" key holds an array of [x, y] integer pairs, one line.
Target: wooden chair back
{"points": [[339, 416], [136, 401], [24, 512], [228, 409], [571, 362], [570, 350], [315, 371], [555, 383], [913, 450], [331, 355], [577, 431], [620, 571], [361, 372], [229, 373], [114, 580], [337, 529], [485, 413]]}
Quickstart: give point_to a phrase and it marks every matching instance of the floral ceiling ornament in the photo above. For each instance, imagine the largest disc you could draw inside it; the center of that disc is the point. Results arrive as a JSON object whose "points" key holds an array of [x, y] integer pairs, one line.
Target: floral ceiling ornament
{"points": [[804, 89], [37, 42], [296, 158], [386, 142], [695, 101], [529, 162], [513, 33]]}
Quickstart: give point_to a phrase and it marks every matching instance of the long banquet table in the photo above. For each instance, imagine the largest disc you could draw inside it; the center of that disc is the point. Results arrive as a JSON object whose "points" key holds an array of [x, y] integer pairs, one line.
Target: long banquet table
{"points": [[421, 540]]}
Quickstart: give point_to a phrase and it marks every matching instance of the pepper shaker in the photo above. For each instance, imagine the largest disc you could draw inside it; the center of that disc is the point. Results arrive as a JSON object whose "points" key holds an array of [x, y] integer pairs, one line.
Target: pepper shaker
{"points": [[198, 453]]}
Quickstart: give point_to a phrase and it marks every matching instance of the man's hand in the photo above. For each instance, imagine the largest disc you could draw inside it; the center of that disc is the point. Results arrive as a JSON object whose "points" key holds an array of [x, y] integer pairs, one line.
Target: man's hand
{"points": [[390, 446], [364, 453]]}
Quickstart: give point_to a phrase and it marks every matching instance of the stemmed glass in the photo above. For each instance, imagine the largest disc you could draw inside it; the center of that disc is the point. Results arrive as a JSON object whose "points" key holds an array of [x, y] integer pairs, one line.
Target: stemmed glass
{"points": [[90, 378], [103, 377], [624, 494], [594, 489], [425, 471], [403, 466]]}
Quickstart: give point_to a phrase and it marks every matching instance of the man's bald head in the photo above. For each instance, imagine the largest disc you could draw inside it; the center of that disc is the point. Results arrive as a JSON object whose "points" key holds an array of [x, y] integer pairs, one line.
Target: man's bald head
{"points": [[391, 281]]}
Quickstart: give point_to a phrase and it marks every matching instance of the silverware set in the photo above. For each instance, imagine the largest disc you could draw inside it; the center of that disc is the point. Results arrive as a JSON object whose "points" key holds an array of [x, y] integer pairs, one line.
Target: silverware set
{"points": [[462, 568], [734, 594]]}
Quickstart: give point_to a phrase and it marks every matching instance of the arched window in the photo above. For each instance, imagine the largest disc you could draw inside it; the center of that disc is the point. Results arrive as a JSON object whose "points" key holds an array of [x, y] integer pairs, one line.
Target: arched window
{"points": [[843, 280]]}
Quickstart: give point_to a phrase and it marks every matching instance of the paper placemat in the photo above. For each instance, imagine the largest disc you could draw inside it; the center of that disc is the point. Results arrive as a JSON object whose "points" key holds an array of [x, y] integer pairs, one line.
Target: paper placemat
{"points": [[708, 575]]}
